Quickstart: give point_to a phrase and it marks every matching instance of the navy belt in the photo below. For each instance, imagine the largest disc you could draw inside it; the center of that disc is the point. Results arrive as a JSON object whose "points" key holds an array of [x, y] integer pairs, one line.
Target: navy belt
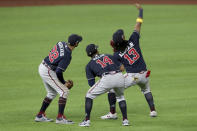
{"points": [[45, 64], [111, 72]]}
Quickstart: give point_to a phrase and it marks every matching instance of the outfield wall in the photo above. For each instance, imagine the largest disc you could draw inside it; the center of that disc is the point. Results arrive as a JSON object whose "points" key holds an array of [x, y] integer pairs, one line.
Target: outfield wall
{"points": [[70, 2]]}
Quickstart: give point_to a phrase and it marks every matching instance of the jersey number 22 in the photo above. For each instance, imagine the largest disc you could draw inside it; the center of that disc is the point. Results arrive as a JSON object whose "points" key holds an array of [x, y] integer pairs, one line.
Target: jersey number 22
{"points": [[53, 54]]}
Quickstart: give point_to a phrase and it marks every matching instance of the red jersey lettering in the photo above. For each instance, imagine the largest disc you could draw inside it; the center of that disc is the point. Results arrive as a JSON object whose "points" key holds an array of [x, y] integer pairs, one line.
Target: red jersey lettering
{"points": [[106, 60], [135, 55], [53, 54]]}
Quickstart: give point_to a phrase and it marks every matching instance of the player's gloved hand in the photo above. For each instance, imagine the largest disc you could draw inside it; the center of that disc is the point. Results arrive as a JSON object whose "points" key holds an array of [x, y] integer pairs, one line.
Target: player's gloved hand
{"points": [[69, 84], [112, 45]]}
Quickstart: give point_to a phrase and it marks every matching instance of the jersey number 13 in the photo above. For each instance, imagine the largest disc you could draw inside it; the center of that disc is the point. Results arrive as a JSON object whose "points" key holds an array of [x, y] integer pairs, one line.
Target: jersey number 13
{"points": [[135, 55]]}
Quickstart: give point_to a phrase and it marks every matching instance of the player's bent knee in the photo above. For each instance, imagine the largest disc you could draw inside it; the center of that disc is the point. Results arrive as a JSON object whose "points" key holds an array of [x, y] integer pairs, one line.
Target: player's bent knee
{"points": [[145, 91], [64, 92], [120, 98], [91, 96], [64, 95], [111, 91], [51, 95]]}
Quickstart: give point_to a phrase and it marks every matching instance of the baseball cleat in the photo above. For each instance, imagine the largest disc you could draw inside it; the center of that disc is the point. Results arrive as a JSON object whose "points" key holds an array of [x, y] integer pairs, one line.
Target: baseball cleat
{"points": [[153, 114], [109, 116], [85, 123], [42, 118], [63, 120], [125, 122]]}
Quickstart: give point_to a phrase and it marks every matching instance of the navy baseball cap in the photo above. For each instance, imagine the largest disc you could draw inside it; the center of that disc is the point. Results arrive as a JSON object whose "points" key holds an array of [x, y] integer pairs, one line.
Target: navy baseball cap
{"points": [[118, 36], [73, 39], [91, 49]]}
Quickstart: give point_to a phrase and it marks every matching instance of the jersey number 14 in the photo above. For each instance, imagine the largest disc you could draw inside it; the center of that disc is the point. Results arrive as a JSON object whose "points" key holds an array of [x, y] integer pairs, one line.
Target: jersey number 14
{"points": [[106, 60]]}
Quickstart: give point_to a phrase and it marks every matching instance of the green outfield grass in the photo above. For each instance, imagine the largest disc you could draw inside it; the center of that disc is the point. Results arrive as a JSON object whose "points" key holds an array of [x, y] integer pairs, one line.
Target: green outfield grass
{"points": [[168, 41]]}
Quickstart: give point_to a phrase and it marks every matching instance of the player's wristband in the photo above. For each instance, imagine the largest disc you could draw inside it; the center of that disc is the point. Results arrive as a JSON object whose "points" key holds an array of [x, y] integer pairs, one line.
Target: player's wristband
{"points": [[140, 20]]}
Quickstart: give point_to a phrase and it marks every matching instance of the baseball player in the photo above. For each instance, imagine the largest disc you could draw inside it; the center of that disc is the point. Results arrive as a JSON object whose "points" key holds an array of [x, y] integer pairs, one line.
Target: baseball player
{"points": [[103, 66], [128, 52], [51, 71]]}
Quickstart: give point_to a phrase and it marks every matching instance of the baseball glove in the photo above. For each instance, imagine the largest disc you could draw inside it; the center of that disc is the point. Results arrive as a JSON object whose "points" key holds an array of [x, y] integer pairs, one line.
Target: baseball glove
{"points": [[112, 45], [69, 84]]}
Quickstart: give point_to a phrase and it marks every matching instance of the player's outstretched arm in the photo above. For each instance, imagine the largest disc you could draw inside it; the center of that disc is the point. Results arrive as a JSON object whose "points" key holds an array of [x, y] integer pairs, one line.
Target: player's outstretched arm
{"points": [[139, 20]]}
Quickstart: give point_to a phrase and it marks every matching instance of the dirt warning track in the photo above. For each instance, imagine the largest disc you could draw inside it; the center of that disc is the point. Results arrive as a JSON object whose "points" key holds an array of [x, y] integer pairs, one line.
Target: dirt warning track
{"points": [[73, 2]]}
